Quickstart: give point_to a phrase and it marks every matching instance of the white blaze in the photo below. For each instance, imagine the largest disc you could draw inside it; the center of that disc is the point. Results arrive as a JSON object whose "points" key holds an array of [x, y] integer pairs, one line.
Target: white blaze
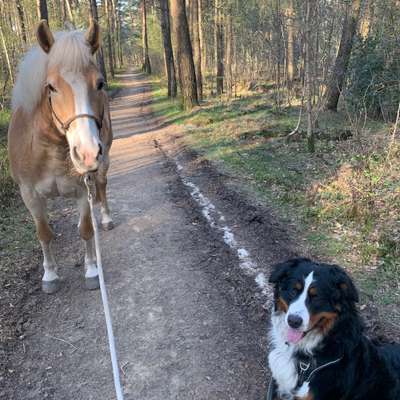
{"points": [[83, 134], [299, 307]]}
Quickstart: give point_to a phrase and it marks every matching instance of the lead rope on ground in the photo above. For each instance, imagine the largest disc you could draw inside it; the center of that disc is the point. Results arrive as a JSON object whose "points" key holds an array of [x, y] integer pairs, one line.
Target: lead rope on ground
{"points": [[89, 182]]}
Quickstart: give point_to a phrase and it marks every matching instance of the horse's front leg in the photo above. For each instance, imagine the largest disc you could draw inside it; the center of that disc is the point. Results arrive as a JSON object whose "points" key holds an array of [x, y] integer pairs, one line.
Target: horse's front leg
{"points": [[101, 196], [37, 207], [86, 233]]}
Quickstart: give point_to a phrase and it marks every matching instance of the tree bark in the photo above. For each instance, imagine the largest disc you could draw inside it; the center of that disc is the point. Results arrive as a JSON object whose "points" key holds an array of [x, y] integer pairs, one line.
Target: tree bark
{"points": [[100, 54], [219, 47], [202, 41], [68, 7], [229, 54], [113, 32], [168, 50], [308, 82], [197, 46], [42, 10], [146, 59], [291, 67], [21, 17], [3, 42], [119, 41], [336, 81], [109, 38], [184, 54]]}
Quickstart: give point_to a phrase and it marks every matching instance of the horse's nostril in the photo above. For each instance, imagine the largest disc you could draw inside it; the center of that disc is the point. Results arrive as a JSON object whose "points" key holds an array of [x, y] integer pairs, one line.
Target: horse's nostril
{"points": [[295, 321], [75, 153], [100, 153]]}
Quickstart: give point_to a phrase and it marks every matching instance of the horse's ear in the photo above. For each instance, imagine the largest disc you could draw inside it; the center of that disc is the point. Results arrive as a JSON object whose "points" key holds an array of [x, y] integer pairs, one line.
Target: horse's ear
{"points": [[93, 36], [44, 36]]}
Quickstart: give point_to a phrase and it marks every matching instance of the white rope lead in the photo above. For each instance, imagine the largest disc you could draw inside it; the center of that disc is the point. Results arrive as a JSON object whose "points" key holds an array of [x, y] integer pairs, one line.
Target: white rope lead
{"points": [[111, 341]]}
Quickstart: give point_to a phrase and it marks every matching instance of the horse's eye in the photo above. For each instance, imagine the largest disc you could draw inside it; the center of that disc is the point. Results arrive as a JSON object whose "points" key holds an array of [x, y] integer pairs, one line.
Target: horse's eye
{"points": [[51, 88], [100, 85]]}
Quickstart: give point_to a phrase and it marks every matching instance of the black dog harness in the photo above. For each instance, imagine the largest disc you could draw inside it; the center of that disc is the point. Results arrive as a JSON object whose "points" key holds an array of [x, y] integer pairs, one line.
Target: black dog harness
{"points": [[307, 367]]}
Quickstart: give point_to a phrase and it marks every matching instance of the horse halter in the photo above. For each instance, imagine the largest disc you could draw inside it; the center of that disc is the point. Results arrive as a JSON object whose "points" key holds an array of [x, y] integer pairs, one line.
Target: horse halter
{"points": [[66, 125]]}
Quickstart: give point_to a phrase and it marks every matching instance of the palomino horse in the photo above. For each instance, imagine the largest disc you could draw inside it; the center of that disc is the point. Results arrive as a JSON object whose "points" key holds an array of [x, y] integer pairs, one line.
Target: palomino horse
{"points": [[59, 131]]}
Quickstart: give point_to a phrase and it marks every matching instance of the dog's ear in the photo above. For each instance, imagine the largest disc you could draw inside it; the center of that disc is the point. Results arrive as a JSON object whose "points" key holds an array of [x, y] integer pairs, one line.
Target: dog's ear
{"points": [[282, 270], [344, 284]]}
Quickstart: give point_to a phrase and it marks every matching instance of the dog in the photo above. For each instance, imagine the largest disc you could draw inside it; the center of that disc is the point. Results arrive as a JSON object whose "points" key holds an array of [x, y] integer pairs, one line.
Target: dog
{"points": [[318, 347]]}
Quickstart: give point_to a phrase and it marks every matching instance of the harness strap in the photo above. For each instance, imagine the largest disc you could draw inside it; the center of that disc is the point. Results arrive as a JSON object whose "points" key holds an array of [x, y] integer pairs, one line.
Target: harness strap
{"points": [[307, 368], [65, 125]]}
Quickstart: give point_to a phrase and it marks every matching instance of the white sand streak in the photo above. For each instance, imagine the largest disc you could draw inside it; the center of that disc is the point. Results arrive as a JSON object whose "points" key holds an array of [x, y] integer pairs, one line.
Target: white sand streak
{"points": [[217, 221]]}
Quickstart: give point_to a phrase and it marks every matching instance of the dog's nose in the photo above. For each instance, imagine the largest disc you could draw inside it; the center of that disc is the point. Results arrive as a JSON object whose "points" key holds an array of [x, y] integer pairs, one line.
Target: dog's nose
{"points": [[295, 321]]}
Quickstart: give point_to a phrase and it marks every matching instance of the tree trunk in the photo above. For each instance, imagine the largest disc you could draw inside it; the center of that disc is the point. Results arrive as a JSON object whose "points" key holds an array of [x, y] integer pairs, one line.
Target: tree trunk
{"points": [[202, 42], [42, 10], [113, 32], [109, 38], [277, 37], [367, 17], [291, 67], [119, 43], [336, 81], [146, 59], [184, 54], [21, 17], [308, 82], [100, 54], [6, 53], [197, 46], [229, 54], [168, 51], [69, 12], [219, 47]]}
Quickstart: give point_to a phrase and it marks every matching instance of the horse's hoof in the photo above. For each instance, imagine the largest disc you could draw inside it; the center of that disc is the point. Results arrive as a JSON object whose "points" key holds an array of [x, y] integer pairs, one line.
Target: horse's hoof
{"points": [[51, 287], [92, 283], [107, 226]]}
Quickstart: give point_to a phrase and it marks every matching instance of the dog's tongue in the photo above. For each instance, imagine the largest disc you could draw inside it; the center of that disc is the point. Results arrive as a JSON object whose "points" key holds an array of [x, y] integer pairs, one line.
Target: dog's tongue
{"points": [[294, 335]]}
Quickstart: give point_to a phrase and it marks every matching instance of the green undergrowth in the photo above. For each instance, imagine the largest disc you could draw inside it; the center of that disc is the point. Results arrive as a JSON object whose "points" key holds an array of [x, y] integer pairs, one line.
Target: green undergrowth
{"points": [[344, 199], [7, 186], [16, 228]]}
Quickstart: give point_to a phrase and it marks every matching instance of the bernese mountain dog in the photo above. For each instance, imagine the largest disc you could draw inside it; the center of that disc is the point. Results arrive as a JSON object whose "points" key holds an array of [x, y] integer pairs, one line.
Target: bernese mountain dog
{"points": [[318, 348]]}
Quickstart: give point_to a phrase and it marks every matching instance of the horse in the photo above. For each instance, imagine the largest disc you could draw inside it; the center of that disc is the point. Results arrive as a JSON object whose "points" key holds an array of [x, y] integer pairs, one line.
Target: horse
{"points": [[60, 130]]}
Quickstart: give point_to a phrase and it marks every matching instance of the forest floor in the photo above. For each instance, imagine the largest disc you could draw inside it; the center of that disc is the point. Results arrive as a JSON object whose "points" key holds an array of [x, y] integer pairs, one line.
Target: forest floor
{"points": [[341, 203], [189, 297]]}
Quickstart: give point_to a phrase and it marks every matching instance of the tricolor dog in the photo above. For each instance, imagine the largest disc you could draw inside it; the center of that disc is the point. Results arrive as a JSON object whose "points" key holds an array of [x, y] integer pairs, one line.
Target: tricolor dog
{"points": [[318, 348]]}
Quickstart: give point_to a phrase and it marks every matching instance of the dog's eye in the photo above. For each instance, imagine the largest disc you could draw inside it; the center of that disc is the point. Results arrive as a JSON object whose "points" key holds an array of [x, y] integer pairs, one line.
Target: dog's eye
{"points": [[312, 292], [294, 292], [296, 289]]}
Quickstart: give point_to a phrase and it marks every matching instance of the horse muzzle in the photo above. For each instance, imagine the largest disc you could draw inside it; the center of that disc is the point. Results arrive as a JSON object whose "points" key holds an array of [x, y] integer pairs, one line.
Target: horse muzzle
{"points": [[87, 159]]}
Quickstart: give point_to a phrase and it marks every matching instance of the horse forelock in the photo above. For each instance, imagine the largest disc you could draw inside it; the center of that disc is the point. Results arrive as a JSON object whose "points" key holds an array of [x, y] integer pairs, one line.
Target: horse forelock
{"points": [[70, 53]]}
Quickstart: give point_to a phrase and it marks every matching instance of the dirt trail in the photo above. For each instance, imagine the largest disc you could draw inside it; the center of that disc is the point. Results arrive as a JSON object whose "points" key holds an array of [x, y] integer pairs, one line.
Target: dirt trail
{"points": [[182, 330]]}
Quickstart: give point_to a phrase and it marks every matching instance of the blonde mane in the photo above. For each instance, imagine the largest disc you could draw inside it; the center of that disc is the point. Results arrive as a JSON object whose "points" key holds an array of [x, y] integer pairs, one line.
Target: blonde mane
{"points": [[70, 52]]}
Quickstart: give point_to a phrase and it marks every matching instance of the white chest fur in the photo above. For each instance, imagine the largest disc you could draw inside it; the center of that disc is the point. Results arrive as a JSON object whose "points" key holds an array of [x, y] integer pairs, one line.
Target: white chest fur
{"points": [[282, 362]]}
